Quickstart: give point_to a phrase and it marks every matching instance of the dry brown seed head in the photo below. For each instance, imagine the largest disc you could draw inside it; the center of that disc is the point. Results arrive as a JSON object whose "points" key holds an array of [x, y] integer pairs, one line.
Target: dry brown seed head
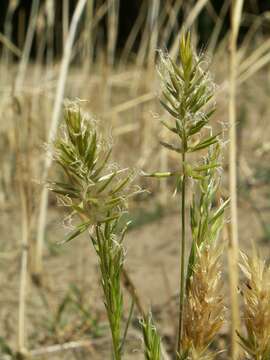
{"points": [[204, 308]]}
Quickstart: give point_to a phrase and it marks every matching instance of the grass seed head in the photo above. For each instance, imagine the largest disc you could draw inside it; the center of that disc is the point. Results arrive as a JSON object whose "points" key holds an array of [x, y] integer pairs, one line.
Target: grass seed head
{"points": [[91, 187], [256, 312], [204, 307]]}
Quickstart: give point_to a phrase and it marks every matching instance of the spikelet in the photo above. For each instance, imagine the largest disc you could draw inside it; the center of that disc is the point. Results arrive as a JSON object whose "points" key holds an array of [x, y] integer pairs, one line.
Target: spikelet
{"points": [[256, 312], [204, 308]]}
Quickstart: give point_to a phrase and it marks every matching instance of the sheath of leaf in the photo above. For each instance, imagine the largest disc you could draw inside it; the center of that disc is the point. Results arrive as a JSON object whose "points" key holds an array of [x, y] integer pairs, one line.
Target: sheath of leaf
{"points": [[92, 188]]}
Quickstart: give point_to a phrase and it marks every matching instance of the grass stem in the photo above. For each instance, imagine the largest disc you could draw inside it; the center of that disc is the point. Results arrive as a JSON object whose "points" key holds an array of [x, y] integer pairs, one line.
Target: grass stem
{"points": [[182, 255]]}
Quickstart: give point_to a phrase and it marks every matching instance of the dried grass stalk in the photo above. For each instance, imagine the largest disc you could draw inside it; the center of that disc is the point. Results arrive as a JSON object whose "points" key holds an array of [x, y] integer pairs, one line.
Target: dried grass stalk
{"points": [[236, 12], [53, 129]]}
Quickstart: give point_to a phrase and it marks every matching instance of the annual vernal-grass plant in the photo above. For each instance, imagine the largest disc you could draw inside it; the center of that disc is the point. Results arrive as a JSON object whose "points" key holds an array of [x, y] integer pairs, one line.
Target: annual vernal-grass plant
{"points": [[95, 192], [187, 90]]}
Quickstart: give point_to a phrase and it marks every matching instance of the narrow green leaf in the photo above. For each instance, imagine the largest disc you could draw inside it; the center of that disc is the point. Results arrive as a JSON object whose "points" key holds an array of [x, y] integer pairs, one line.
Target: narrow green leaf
{"points": [[91, 151], [127, 325], [178, 185], [79, 210], [174, 82], [205, 143], [202, 103], [196, 128], [63, 185], [107, 182], [121, 185], [206, 167], [171, 90], [170, 111], [71, 194], [194, 83], [209, 114], [169, 99], [160, 174], [171, 147], [109, 218], [103, 164], [245, 344], [172, 129], [114, 201], [177, 69], [220, 211], [76, 232], [191, 263]]}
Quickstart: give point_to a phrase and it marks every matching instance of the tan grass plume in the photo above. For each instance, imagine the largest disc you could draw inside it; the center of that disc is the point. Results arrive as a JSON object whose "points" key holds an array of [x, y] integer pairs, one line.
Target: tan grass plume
{"points": [[256, 310], [204, 307]]}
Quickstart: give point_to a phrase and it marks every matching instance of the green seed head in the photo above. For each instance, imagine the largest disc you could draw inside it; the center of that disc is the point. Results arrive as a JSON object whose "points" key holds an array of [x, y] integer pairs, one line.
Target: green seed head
{"points": [[91, 188]]}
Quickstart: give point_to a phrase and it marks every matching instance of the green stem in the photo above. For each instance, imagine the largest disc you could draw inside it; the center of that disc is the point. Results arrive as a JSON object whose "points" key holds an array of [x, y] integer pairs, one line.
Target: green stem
{"points": [[114, 331], [108, 284], [182, 256], [116, 346]]}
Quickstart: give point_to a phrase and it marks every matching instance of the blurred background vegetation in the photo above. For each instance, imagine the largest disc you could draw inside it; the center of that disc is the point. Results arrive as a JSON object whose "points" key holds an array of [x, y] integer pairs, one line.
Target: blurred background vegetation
{"points": [[50, 294], [128, 13]]}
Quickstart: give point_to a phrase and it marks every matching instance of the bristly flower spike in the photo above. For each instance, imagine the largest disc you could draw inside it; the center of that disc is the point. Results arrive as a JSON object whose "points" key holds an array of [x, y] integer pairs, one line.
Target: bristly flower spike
{"points": [[256, 307], [186, 93], [91, 188]]}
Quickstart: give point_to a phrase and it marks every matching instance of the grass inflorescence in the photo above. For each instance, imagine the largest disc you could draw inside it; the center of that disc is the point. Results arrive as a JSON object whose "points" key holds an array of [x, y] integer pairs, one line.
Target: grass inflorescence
{"points": [[186, 93], [256, 311], [96, 193]]}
